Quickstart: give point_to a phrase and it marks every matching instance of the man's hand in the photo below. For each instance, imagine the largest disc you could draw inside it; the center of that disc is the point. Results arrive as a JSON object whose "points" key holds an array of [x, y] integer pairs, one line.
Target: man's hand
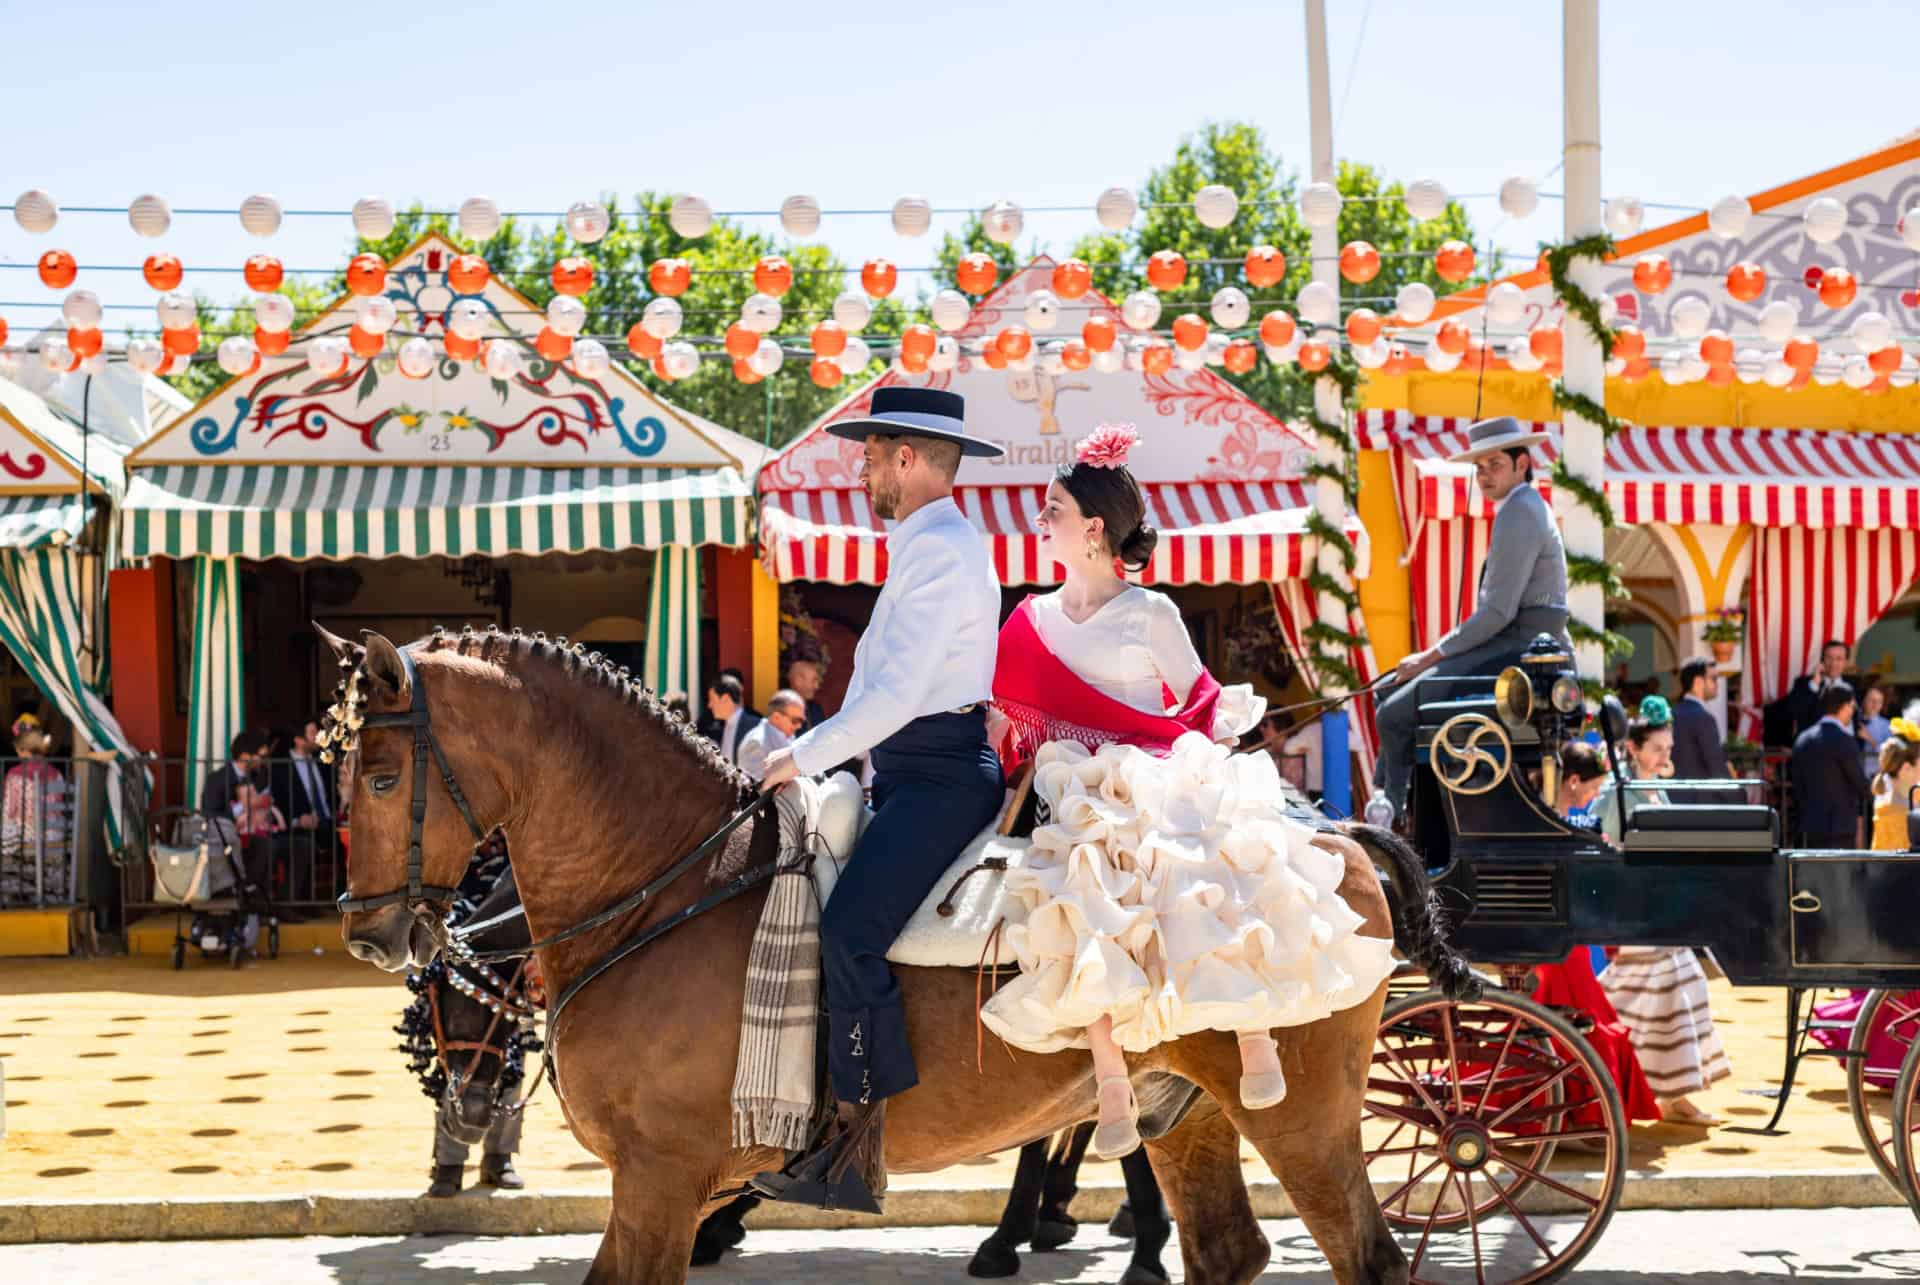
{"points": [[308, 822], [780, 769], [1415, 665]]}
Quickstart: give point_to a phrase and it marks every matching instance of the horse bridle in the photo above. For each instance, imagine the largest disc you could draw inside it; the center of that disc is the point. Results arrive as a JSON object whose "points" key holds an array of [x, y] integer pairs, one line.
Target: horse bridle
{"points": [[501, 1006], [418, 896]]}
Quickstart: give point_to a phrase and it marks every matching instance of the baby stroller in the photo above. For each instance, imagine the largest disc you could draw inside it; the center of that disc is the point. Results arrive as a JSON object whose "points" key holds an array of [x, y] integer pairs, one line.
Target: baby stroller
{"points": [[197, 870]]}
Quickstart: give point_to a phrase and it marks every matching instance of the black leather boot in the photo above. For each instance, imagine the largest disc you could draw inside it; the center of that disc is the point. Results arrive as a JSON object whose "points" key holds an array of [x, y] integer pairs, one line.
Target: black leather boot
{"points": [[496, 1170], [446, 1181], [834, 1173]]}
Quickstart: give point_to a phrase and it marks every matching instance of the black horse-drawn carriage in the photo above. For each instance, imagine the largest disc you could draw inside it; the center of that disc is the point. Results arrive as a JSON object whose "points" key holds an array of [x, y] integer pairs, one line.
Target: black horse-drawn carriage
{"points": [[1469, 1101]]}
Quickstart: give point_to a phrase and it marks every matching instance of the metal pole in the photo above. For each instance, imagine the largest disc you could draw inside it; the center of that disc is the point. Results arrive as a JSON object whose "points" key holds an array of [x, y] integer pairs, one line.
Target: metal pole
{"points": [[1583, 446], [1328, 497]]}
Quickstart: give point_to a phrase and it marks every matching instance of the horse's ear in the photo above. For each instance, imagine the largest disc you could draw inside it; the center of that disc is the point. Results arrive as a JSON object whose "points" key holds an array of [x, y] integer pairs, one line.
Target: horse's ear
{"points": [[385, 670], [348, 654]]}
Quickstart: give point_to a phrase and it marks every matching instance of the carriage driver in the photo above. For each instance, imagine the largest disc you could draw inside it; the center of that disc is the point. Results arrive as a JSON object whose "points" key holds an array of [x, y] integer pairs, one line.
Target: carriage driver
{"points": [[1523, 593], [922, 677]]}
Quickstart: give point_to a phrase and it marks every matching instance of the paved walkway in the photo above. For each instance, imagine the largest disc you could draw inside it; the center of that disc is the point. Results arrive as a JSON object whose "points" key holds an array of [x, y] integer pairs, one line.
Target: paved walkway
{"points": [[1651, 1248]]}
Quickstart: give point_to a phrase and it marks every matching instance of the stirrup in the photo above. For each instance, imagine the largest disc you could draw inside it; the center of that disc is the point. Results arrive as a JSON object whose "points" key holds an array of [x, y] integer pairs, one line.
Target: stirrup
{"points": [[826, 1175]]}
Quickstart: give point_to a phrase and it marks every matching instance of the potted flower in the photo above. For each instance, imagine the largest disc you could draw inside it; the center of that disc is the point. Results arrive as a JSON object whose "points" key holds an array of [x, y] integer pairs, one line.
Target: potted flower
{"points": [[1725, 632]]}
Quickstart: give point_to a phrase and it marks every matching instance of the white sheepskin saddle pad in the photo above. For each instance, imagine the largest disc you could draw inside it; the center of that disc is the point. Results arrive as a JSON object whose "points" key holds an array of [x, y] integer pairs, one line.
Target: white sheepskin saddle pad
{"points": [[931, 940]]}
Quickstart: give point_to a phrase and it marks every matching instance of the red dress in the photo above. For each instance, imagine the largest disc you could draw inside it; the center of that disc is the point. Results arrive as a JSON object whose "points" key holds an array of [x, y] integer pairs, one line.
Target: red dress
{"points": [[1571, 984]]}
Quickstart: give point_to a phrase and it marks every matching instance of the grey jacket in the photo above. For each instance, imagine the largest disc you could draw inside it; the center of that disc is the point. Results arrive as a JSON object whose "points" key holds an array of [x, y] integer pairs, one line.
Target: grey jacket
{"points": [[1526, 567]]}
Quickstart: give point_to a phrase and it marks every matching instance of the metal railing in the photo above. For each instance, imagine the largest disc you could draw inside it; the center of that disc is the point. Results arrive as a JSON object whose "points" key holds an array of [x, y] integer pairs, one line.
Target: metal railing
{"points": [[38, 855]]}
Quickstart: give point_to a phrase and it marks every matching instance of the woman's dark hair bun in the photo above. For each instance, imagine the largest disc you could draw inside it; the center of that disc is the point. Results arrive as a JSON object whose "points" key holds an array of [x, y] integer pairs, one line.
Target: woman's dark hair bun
{"points": [[1136, 551]]}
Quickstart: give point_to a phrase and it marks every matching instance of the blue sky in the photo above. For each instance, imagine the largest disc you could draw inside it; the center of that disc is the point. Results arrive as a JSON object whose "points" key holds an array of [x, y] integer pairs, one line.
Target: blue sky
{"points": [[745, 103]]}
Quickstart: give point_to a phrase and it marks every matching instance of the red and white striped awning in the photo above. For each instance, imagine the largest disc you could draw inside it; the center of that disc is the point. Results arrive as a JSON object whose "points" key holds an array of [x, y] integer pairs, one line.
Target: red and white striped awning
{"points": [[1210, 533], [1769, 477]]}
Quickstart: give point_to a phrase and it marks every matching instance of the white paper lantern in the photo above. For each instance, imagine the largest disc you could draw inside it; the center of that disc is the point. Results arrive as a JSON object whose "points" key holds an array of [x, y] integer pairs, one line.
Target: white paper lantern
{"points": [[415, 358], [912, 216], [680, 358], [479, 218], [1052, 358], [1909, 227], [1141, 310], [373, 218], [590, 360], [10, 363], [588, 223], [327, 355], [1319, 303], [1623, 216], [855, 357], [566, 315], [1778, 320], [1135, 355], [1506, 304], [1115, 209], [1215, 348], [35, 211], [1673, 367], [1776, 373], [950, 309], [1695, 366], [1021, 363], [175, 310], [378, 315], [1440, 361], [1825, 219], [150, 215], [1414, 302], [1230, 307], [1215, 205], [1519, 197], [1320, 205], [760, 312], [1002, 222], [662, 317], [1901, 378], [1519, 354], [467, 318], [853, 310], [81, 308], [1110, 361], [1426, 199], [1728, 217], [1750, 365], [767, 358], [1690, 316], [1284, 355], [1609, 310], [1372, 356], [1856, 373], [260, 214], [946, 354], [55, 356], [144, 355], [273, 313], [1042, 310], [1827, 373], [1870, 331], [503, 359], [800, 216], [1190, 358]]}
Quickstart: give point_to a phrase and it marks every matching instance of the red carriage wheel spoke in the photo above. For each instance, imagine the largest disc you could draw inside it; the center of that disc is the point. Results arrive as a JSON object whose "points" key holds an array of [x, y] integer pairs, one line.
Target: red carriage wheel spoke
{"points": [[1473, 1224], [1414, 1081], [1453, 1060], [1404, 1192], [1506, 1047], [1532, 1093], [1524, 1221], [1545, 1181]]}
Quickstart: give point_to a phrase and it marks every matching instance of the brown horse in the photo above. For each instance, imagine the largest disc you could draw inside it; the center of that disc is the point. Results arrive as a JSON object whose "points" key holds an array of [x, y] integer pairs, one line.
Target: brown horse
{"points": [[598, 789]]}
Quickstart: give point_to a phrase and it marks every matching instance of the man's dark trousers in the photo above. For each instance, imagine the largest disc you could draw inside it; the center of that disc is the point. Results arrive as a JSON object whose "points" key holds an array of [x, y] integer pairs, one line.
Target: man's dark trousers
{"points": [[936, 785]]}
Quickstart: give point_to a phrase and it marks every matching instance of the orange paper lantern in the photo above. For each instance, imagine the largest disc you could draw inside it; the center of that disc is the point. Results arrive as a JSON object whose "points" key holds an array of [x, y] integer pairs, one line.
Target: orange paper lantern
{"points": [[1314, 355], [1360, 262], [1453, 261], [1720, 374], [1156, 359], [365, 343], [918, 342], [85, 343], [745, 373], [162, 271], [573, 275], [1074, 355], [1241, 356], [457, 348], [1652, 273], [1838, 287], [1167, 270], [1072, 279], [1363, 327], [1546, 343], [825, 372], [669, 277], [263, 273], [878, 277], [367, 274], [1800, 353], [1637, 369], [975, 273], [1716, 349], [468, 274], [1014, 341], [1266, 266], [829, 339], [741, 342], [1276, 329], [1746, 281], [1453, 337], [57, 269], [660, 369], [913, 365], [1882, 361], [641, 344], [995, 359], [183, 342], [1801, 378], [553, 345], [1099, 333], [1189, 331], [773, 275], [1629, 343]]}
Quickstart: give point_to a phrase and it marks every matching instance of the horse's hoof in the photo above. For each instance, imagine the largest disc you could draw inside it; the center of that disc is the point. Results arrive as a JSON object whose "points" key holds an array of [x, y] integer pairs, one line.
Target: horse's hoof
{"points": [[705, 1253], [993, 1260], [1051, 1233], [1138, 1274], [1121, 1224]]}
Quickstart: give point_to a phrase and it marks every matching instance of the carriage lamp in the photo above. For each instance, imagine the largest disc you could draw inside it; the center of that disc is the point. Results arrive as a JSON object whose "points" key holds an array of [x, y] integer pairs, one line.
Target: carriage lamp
{"points": [[1567, 696]]}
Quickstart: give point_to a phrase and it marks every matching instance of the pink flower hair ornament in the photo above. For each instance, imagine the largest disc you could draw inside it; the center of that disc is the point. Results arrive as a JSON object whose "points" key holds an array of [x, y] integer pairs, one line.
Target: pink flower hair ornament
{"points": [[1106, 446]]}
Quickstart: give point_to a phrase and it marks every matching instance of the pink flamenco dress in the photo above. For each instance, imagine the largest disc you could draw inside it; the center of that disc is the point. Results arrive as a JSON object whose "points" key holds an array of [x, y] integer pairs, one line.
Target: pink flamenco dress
{"points": [[1166, 887], [1885, 1052]]}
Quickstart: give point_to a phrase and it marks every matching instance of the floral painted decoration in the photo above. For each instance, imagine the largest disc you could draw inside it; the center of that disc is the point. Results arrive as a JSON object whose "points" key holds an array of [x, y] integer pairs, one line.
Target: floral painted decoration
{"points": [[1106, 446]]}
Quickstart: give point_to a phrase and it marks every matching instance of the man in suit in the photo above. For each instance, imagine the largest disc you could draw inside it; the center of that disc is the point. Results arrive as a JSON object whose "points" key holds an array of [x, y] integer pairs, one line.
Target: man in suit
{"points": [[311, 805], [786, 715], [1523, 593], [708, 726], [219, 796], [1699, 751], [1800, 708], [727, 705], [805, 675], [1829, 782]]}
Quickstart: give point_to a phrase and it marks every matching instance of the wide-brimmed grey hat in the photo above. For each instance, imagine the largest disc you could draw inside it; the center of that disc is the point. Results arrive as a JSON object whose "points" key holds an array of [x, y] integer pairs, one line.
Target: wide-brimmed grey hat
{"points": [[917, 412], [1501, 433]]}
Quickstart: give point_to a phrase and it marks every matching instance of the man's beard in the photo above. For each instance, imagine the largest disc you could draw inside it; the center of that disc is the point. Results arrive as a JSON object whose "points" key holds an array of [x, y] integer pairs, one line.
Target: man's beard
{"points": [[886, 500]]}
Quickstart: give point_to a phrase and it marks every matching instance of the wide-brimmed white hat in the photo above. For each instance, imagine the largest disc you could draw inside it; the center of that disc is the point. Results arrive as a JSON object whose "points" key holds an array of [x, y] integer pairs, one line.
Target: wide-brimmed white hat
{"points": [[1501, 433]]}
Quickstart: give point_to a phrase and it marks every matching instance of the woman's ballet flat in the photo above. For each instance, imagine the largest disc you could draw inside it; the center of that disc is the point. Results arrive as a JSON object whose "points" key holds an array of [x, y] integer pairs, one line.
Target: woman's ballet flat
{"points": [[1117, 1138], [1267, 1089]]}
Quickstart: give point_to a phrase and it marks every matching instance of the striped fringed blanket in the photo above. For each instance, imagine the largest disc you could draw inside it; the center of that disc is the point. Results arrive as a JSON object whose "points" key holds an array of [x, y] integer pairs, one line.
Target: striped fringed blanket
{"points": [[773, 1083]]}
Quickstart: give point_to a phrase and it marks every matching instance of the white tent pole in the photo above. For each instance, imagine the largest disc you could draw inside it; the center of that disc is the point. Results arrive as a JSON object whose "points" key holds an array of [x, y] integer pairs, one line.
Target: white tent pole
{"points": [[1583, 445]]}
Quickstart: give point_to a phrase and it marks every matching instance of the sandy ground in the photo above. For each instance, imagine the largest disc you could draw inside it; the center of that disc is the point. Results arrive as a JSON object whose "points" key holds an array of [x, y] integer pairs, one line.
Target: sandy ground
{"points": [[125, 1078]]}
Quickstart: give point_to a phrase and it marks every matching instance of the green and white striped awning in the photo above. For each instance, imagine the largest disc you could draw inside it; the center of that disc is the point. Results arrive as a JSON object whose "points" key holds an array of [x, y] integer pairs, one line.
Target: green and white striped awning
{"points": [[317, 511], [34, 521]]}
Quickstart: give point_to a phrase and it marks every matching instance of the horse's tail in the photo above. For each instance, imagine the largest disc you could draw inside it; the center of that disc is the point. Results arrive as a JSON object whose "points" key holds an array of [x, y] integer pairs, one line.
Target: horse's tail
{"points": [[1419, 925]]}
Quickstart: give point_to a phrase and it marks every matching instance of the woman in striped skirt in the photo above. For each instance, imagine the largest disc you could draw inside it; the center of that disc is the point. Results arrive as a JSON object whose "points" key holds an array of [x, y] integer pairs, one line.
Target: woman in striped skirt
{"points": [[1660, 992]]}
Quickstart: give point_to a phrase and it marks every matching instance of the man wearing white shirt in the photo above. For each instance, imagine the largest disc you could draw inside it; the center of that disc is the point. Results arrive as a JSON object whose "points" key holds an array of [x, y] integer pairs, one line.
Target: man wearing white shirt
{"points": [[786, 715], [922, 677]]}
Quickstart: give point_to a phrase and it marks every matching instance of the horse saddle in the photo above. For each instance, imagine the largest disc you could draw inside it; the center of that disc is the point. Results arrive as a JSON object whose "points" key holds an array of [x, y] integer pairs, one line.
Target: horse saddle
{"points": [[962, 922]]}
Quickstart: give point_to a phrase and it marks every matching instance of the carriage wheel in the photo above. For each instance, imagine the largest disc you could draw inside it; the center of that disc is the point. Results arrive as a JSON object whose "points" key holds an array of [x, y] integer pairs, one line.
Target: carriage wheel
{"points": [[1872, 1112], [1466, 1105], [1906, 1119]]}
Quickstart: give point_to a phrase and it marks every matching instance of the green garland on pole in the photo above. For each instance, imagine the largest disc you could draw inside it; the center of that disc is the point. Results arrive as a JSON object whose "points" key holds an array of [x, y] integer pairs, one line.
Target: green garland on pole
{"points": [[1581, 304], [1617, 646], [1565, 399], [1331, 646], [1589, 495]]}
